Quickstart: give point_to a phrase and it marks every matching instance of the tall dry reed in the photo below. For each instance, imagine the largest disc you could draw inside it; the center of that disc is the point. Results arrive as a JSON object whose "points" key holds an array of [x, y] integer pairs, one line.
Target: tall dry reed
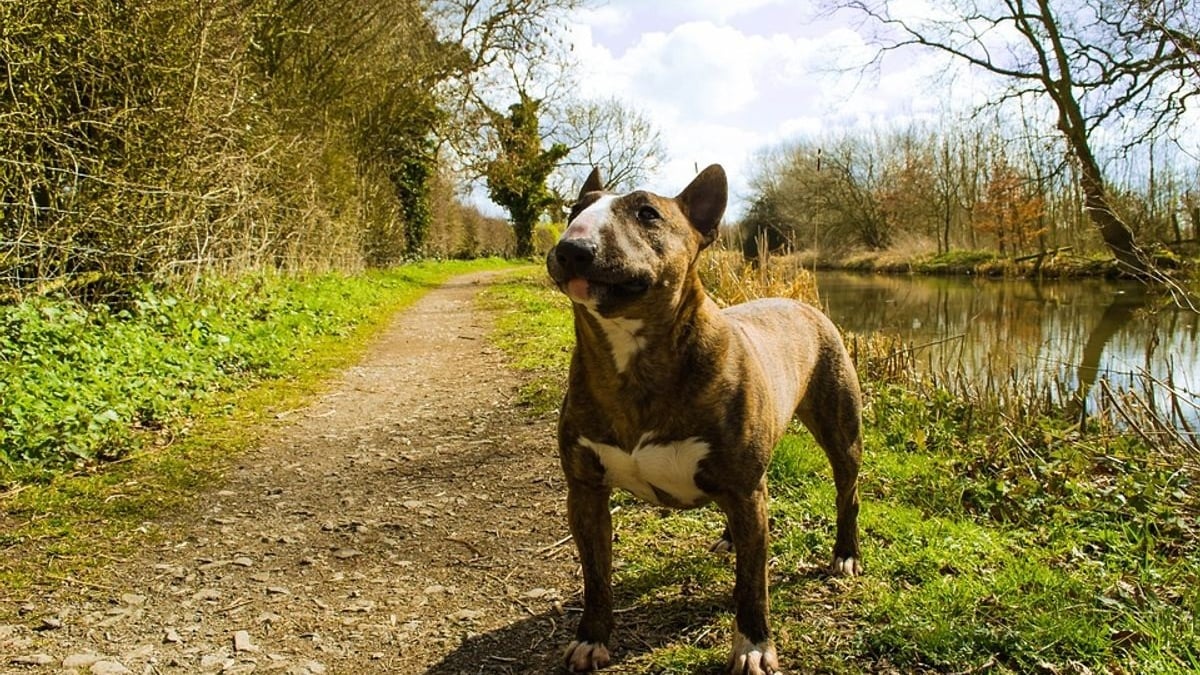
{"points": [[731, 279]]}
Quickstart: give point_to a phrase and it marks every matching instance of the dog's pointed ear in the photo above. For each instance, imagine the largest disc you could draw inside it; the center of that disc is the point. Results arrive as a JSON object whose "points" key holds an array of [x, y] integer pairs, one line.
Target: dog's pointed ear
{"points": [[592, 184], [703, 201]]}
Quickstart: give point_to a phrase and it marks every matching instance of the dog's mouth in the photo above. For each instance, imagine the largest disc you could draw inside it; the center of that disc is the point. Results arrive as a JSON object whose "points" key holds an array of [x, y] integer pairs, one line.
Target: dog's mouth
{"points": [[595, 290], [629, 289]]}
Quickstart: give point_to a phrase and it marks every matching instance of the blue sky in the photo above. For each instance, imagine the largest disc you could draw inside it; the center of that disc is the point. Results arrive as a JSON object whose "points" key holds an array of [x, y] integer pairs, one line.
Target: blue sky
{"points": [[724, 79]]}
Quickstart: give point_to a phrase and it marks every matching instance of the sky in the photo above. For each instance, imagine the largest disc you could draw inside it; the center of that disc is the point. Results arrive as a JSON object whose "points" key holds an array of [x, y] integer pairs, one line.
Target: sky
{"points": [[724, 79]]}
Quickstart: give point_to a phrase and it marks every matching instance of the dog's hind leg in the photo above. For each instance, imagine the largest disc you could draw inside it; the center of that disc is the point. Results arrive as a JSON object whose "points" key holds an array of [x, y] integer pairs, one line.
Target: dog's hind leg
{"points": [[837, 428], [847, 560], [724, 544]]}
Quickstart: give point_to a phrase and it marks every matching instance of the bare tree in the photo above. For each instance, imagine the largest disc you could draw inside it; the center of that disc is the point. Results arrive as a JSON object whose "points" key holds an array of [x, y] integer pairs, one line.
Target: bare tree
{"points": [[1098, 62], [507, 49], [821, 196], [615, 138]]}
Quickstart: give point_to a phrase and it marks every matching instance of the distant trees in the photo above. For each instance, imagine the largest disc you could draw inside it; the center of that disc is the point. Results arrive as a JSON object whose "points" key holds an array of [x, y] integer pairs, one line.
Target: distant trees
{"points": [[1011, 208], [1129, 63], [972, 183], [819, 196]]}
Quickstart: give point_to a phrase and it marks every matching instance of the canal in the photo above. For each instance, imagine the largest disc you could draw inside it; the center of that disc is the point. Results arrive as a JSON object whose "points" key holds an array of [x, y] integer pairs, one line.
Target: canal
{"points": [[1053, 336]]}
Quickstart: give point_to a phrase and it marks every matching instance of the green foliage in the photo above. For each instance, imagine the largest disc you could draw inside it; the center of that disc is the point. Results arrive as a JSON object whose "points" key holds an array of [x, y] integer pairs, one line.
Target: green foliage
{"points": [[516, 178], [955, 262], [55, 522], [545, 236], [84, 384], [990, 544], [152, 140]]}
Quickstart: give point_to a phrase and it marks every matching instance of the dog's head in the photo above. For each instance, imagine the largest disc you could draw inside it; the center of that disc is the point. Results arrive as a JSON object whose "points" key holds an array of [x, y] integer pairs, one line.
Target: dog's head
{"points": [[622, 251]]}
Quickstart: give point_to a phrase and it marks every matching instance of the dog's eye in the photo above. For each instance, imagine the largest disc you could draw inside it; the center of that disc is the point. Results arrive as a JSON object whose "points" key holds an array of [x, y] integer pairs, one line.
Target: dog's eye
{"points": [[647, 214]]}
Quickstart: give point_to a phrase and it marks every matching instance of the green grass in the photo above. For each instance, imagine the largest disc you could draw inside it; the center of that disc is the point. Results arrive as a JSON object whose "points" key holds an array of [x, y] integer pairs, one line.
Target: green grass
{"points": [[954, 262], [530, 327], [191, 381], [990, 544]]}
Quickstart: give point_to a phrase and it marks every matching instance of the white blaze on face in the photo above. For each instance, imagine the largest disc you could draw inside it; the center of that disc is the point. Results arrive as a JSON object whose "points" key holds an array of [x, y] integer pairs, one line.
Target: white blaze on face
{"points": [[670, 467], [623, 334], [587, 225], [590, 221]]}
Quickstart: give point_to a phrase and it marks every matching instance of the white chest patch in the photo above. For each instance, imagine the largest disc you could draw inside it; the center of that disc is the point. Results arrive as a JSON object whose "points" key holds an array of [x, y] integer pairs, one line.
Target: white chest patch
{"points": [[668, 467], [623, 337]]}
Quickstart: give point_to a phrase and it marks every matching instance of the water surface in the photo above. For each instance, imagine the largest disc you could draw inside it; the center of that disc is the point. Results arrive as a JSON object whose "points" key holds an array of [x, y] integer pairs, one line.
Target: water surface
{"points": [[1068, 334]]}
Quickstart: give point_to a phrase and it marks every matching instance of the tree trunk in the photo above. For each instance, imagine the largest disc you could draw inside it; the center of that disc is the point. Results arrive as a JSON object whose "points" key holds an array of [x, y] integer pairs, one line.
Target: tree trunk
{"points": [[1116, 234], [1060, 86]]}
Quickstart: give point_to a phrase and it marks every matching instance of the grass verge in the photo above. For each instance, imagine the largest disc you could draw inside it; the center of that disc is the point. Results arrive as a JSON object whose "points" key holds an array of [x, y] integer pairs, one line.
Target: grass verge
{"points": [[991, 544], [188, 383]]}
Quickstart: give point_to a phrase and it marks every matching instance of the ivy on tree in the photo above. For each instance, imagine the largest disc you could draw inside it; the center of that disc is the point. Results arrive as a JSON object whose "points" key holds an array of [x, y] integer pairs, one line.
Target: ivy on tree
{"points": [[516, 178]]}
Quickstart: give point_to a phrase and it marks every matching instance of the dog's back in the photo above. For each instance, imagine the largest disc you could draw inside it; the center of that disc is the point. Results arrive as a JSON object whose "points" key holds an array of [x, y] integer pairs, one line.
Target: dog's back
{"points": [[798, 349]]}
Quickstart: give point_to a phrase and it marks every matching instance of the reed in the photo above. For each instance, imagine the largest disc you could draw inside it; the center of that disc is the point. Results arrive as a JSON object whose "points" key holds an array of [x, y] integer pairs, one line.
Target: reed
{"points": [[731, 279], [1153, 409]]}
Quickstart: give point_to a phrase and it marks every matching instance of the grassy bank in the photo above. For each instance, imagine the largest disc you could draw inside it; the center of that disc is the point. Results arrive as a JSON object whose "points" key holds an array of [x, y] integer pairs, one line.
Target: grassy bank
{"points": [[992, 544], [112, 417], [1056, 264]]}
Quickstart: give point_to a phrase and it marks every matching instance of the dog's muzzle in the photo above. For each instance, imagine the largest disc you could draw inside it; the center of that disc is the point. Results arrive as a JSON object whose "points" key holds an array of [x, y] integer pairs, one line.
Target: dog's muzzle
{"points": [[574, 266], [575, 257]]}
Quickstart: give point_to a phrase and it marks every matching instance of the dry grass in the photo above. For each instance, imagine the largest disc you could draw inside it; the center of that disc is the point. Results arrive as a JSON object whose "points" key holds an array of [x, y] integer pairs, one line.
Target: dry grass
{"points": [[730, 279]]}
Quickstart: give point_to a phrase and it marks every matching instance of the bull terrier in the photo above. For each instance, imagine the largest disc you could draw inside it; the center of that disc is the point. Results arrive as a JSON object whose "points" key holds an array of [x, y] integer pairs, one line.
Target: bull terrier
{"points": [[681, 402]]}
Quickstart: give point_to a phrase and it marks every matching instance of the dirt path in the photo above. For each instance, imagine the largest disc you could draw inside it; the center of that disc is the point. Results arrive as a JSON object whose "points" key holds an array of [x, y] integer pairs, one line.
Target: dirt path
{"points": [[409, 521]]}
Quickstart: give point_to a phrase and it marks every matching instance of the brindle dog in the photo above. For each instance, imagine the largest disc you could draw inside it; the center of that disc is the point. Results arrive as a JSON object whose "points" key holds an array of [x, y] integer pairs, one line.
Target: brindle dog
{"points": [[681, 402]]}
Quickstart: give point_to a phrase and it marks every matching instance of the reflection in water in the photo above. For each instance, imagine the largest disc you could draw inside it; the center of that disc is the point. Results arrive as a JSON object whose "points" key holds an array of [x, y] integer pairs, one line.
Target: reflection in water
{"points": [[1119, 314], [1062, 335]]}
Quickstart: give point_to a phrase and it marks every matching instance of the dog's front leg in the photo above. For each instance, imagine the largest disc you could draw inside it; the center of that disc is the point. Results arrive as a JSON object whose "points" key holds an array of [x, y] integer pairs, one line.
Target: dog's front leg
{"points": [[753, 653], [591, 527]]}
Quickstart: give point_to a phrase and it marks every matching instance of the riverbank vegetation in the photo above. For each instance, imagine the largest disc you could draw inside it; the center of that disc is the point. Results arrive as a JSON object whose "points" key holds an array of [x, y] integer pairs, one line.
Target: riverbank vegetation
{"points": [[999, 534], [916, 258]]}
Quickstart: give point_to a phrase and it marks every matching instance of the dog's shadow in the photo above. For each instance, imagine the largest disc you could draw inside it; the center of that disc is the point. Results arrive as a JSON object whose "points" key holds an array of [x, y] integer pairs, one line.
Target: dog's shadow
{"points": [[535, 644]]}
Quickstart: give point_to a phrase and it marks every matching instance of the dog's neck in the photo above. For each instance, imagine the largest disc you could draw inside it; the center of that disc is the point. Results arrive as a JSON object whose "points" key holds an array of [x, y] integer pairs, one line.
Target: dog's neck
{"points": [[645, 352]]}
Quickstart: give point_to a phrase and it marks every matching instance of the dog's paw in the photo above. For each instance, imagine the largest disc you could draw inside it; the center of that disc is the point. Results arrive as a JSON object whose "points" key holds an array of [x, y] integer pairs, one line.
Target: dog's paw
{"points": [[722, 545], [845, 567], [584, 657], [748, 658]]}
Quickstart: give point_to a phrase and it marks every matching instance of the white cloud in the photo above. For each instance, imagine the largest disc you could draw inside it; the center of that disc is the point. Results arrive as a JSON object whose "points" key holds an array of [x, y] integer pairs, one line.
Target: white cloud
{"points": [[722, 80], [611, 17]]}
